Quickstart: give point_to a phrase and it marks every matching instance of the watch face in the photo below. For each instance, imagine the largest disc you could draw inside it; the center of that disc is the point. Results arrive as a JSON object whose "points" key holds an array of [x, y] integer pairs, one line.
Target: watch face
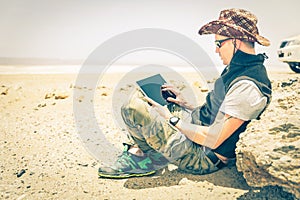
{"points": [[174, 120]]}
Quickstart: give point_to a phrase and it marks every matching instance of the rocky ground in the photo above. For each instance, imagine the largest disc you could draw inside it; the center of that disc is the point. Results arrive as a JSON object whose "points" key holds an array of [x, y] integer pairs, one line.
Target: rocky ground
{"points": [[269, 151], [44, 153]]}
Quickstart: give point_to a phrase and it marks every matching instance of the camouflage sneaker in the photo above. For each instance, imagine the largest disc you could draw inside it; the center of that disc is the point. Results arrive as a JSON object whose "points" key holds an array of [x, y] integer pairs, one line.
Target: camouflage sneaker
{"points": [[128, 165]]}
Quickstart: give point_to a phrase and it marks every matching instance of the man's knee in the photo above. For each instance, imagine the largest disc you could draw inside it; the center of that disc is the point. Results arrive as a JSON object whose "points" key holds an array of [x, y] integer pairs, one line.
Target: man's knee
{"points": [[135, 112]]}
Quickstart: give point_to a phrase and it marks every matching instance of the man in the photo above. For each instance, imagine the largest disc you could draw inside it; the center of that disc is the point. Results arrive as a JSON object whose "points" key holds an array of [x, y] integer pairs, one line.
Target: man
{"points": [[205, 140]]}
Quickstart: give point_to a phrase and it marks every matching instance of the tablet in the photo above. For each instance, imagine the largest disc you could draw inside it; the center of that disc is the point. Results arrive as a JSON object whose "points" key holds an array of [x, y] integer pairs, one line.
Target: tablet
{"points": [[151, 87]]}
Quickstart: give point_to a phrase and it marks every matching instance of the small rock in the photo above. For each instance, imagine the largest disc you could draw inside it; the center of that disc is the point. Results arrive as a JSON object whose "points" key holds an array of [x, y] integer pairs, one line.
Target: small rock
{"points": [[101, 87], [42, 105], [172, 167], [62, 95], [83, 165], [23, 171], [184, 181], [289, 83], [4, 92], [49, 95]]}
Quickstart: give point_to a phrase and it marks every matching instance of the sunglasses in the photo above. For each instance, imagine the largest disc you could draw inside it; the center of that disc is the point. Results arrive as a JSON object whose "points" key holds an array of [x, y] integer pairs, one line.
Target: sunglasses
{"points": [[219, 42]]}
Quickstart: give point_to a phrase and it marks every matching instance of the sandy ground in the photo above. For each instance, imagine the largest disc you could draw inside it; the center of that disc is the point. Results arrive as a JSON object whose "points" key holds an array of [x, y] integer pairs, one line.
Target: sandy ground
{"points": [[46, 152]]}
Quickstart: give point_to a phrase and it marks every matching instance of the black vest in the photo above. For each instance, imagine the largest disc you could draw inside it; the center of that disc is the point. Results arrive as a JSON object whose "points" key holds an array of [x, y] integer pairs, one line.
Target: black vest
{"points": [[243, 66]]}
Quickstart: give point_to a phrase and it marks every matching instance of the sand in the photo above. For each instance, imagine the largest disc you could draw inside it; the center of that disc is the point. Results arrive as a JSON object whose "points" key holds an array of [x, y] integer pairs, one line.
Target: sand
{"points": [[43, 155]]}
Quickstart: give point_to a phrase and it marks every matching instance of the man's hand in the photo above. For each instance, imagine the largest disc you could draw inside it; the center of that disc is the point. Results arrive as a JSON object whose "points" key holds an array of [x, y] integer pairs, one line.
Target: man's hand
{"points": [[179, 100], [161, 110]]}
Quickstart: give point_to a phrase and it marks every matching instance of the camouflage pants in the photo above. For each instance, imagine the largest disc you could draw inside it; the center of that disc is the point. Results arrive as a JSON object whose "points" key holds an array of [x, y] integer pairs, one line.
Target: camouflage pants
{"points": [[151, 132]]}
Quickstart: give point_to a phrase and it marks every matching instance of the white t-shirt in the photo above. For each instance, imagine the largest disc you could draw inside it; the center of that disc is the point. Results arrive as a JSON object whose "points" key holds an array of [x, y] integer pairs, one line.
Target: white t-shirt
{"points": [[244, 101]]}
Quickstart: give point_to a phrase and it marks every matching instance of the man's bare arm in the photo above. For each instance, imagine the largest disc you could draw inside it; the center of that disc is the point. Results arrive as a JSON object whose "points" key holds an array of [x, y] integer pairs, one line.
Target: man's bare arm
{"points": [[199, 134]]}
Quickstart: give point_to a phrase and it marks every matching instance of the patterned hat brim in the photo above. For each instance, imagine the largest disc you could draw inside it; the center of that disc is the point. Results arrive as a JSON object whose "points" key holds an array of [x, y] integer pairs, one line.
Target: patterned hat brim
{"points": [[221, 27]]}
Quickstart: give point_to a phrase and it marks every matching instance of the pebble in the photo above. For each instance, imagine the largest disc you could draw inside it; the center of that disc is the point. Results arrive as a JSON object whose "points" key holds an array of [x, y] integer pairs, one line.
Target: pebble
{"points": [[23, 171], [61, 96]]}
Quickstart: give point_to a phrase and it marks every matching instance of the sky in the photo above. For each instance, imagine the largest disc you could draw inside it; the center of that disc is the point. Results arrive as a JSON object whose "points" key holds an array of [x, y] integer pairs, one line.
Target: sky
{"points": [[73, 29]]}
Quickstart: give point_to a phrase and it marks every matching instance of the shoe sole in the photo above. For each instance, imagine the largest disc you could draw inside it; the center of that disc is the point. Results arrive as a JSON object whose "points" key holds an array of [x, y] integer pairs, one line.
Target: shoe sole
{"points": [[118, 176]]}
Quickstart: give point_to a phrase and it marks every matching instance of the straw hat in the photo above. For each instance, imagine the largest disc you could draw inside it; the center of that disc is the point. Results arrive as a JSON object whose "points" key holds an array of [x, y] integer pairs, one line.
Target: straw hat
{"points": [[235, 23]]}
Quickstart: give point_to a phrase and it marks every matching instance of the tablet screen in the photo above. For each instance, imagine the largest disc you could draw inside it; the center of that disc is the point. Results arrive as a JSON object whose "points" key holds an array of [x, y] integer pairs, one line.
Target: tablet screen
{"points": [[151, 87]]}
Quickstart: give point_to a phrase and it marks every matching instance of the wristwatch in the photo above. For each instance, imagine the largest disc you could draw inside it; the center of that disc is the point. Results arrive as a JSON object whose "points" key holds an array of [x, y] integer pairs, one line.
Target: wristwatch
{"points": [[174, 120]]}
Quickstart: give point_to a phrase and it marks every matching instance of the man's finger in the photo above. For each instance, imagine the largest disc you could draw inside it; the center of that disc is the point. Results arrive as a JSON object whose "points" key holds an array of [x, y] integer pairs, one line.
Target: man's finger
{"points": [[170, 99], [173, 90], [151, 101]]}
